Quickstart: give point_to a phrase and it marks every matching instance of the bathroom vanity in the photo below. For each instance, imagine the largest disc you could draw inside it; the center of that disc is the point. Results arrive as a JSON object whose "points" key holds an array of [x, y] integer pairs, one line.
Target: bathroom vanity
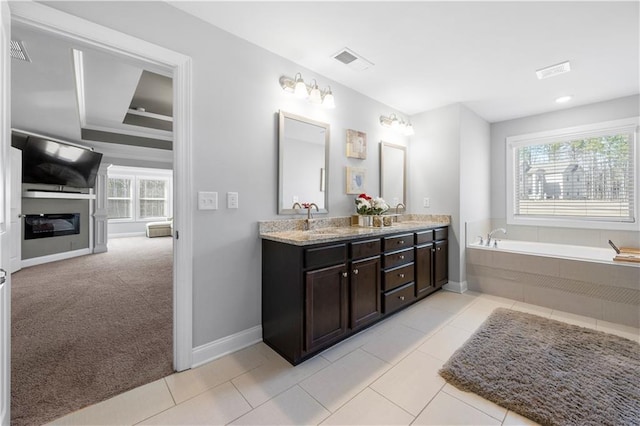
{"points": [[321, 286]]}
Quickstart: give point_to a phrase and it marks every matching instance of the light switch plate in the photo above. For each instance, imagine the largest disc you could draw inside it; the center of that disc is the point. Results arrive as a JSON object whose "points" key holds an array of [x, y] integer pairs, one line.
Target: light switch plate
{"points": [[426, 203], [207, 200], [232, 200]]}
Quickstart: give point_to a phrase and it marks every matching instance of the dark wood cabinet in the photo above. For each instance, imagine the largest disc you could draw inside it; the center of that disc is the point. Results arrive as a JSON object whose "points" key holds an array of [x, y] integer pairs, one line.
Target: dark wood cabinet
{"points": [[424, 270], [314, 295], [326, 306], [432, 265], [398, 284], [441, 263], [365, 291]]}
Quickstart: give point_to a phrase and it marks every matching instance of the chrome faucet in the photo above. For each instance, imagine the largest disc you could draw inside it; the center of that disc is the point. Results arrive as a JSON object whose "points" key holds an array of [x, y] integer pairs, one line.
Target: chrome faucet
{"points": [[296, 205], [309, 210], [490, 234], [307, 224], [400, 205]]}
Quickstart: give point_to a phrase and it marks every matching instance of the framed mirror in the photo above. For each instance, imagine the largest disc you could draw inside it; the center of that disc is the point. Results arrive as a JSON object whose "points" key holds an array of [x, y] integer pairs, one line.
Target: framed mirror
{"points": [[303, 163], [393, 173]]}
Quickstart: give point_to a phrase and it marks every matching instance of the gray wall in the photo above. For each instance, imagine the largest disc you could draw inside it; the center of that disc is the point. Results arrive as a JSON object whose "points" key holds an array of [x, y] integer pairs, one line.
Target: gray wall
{"points": [[449, 164], [47, 246], [236, 97], [475, 176], [588, 114]]}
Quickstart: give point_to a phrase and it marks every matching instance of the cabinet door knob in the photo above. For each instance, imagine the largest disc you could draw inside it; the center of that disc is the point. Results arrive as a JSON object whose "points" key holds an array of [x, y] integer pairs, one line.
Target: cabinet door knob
{"points": [[355, 271], [401, 242], [401, 256], [438, 248], [433, 250], [401, 275], [401, 297], [344, 274]]}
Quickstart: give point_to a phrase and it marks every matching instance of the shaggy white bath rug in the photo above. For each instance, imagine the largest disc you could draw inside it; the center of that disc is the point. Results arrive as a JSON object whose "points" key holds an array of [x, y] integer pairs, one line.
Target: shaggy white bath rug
{"points": [[549, 371]]}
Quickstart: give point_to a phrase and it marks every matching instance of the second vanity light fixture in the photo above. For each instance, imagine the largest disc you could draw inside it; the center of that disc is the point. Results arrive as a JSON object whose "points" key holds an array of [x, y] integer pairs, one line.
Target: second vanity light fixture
{"points": [[393, 122], [311, 92]]}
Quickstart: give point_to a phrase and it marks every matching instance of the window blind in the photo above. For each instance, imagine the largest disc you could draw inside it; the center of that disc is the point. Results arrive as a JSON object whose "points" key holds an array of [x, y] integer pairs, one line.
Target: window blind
{"points": [[119, 198], [590, 177]]}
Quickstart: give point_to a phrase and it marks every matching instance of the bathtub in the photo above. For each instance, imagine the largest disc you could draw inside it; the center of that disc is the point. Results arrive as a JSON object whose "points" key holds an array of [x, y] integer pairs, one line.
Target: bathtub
{"points": [[564, 251], [576, 279]]}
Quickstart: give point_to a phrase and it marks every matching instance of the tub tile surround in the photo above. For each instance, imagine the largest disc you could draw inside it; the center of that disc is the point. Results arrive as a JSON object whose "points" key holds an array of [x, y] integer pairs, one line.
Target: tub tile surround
{"points": [[605, 291]]}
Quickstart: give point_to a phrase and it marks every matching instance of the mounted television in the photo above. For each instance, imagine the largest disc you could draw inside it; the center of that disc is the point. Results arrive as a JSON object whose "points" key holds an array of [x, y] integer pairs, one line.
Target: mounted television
{"points": [[56, 163]]}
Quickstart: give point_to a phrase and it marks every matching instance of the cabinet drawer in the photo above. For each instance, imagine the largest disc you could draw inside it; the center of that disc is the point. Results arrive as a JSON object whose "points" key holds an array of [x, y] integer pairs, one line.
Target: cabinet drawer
{"points": [[325, 256], [398, 242], [399, 298], [398, 276], [368, 248], [424, 237], [442, 233], [396, 258]]}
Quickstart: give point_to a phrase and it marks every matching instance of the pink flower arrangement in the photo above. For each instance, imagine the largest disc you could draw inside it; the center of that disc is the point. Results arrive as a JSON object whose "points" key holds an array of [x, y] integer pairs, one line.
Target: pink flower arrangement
{"points": [[368, 205]]}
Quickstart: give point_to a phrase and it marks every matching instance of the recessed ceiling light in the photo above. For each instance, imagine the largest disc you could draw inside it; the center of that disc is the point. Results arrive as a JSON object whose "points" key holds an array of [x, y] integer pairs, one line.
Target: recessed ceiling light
{"points": [[563, 99], [553, 70]]}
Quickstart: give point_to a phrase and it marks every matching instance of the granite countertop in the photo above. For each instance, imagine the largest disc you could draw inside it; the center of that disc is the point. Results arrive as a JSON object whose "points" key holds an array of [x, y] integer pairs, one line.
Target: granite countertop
{"points": [[292, 231]]}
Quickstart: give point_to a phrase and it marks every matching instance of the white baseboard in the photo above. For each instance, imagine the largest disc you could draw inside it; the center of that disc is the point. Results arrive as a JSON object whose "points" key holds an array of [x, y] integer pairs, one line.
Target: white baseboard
{"points": [[210, 351], [126, 235], [456, 287], [54, 257]]}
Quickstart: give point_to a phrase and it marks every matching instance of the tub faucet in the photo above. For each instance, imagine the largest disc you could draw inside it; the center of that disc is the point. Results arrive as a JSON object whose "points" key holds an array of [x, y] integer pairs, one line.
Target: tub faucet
{"points": [[490, 234]]}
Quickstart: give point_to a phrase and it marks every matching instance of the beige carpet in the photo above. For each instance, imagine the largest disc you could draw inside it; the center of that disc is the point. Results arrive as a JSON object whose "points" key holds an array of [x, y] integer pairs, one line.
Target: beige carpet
{"points": [[549, 371], [89, 328]]}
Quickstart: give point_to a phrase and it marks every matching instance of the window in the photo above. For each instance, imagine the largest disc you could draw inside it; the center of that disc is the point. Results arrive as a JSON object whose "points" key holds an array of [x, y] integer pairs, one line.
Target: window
{"points": [[153, 197], [580, 177], [119, 198], [138, 195]]}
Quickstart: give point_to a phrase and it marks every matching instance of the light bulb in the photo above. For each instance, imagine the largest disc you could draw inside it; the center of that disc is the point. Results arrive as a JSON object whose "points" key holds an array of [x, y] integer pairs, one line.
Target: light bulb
{"points": [[408, 131], [315, 96], [328, 101], [395, 123], [300, 88]]}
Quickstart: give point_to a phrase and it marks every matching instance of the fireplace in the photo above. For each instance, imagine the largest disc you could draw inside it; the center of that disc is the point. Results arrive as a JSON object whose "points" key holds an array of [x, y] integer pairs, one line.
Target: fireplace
{"points": [[51, 225]]}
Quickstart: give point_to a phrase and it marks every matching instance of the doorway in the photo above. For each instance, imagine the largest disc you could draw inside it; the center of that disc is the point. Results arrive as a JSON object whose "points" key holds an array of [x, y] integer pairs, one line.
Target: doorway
{"points": [[56, 22]]}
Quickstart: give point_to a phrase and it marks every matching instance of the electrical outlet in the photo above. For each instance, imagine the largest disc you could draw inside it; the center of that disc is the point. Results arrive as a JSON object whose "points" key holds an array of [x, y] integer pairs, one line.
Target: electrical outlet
{"points": [[232, 200], [207, 200], [426, 203]]}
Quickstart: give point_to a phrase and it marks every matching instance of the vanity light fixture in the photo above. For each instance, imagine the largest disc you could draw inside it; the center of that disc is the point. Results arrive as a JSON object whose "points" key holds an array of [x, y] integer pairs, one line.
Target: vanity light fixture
{"points": [[312, 93], [395, 123]]}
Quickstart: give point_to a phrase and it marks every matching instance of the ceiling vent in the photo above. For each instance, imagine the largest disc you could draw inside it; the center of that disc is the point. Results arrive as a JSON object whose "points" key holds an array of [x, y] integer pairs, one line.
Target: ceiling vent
{"points": [[352, 60], [553, 70], [18, 51]]}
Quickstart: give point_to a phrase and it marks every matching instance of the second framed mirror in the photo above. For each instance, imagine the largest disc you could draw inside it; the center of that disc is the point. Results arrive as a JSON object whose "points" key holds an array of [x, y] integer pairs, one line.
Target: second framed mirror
{"points": [[393, 174]]}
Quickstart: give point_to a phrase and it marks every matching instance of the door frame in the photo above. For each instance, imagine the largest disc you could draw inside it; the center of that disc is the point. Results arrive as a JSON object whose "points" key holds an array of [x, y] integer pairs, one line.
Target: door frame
{"points": [[5, 222], [61, 23]]}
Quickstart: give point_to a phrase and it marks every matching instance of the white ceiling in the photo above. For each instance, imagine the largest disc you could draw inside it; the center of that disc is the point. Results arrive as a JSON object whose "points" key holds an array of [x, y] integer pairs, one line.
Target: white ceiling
{"points": [[431, 54], [45, 92]]}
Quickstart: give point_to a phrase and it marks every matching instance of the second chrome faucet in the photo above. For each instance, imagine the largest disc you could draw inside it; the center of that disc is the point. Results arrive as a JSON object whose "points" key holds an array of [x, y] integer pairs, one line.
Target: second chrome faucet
{"points": [[490, 235]]}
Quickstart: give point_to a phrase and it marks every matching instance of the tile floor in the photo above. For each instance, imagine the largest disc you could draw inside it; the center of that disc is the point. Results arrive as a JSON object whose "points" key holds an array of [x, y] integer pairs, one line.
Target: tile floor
{"points": [[386, 375]]}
